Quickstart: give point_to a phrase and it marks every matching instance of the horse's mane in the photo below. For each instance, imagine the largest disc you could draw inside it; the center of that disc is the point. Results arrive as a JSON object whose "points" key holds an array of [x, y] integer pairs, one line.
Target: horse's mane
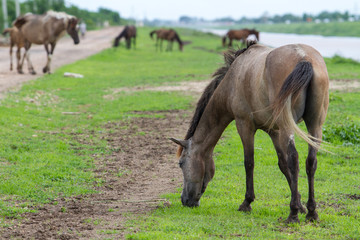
{"points": [[177, 38], [117, 39], [152, 33], [218, 76], [49, 14], [58, 15]]}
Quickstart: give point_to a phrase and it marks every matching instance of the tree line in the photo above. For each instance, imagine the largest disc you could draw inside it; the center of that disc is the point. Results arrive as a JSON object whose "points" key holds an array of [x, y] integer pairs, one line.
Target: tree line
{"points": [[93, 20], [324, 16]]}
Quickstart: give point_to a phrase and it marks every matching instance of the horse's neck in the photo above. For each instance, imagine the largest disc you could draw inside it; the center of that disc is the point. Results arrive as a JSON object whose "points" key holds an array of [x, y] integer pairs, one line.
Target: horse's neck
{"points": [[212, 123]]}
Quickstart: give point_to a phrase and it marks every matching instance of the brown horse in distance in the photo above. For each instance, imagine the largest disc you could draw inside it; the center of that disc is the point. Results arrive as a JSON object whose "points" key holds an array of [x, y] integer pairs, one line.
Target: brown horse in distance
{"points": [[128, 33], [16, 38], [45, 29], [240, 35], [260, 88], [169, 35]]}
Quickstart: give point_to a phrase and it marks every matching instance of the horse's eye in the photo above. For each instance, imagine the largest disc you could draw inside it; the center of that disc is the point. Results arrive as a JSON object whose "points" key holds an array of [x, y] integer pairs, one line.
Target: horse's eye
{"points": [[181, 164]]}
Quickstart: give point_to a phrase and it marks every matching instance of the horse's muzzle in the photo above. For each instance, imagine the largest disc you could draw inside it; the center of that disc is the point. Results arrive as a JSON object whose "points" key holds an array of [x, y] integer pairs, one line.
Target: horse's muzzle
{"points": [[189, 202]]}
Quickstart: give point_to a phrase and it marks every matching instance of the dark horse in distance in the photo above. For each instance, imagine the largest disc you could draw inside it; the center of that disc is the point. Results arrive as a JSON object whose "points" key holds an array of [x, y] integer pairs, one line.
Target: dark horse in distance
{"points": [[240, 35], [169, 35], [128, 33], [260, 88], [45, 29]]}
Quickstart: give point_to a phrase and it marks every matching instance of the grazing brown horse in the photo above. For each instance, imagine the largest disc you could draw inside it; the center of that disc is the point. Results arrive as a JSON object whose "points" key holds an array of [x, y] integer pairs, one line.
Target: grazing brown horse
{"points": [[240, 35], [128, 33], [16, 38], [169, 35], [261, 88], [45, 29]]}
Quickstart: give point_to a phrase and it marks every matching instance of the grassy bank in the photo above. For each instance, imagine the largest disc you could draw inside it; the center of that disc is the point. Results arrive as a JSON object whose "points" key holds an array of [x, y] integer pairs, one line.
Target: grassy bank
{"points": [[42, 159], [344, 29]]}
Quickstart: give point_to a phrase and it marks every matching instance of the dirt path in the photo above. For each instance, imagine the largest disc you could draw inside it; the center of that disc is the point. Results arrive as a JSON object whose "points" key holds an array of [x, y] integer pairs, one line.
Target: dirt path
{"points": [[65, 53], [135, 176]]}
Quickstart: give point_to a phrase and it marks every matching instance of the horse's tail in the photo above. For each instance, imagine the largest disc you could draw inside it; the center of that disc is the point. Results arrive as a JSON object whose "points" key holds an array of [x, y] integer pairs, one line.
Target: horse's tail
{"points": [[224, 40], [298, 81], [152, 33], [218, 76], [6, 31]]}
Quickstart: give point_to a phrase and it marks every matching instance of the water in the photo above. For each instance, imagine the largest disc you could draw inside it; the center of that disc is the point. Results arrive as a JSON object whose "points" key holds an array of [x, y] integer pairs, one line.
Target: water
{"points": [[348, 47]]}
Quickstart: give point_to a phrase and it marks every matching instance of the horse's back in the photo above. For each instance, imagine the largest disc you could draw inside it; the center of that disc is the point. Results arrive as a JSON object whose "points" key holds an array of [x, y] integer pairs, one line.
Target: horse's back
{"points": [[281, 62]]}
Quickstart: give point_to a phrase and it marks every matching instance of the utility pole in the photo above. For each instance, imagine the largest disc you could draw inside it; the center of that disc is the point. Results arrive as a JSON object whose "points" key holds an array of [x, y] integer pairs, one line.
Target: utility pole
{"points": [[17, 8], [5, 14]]}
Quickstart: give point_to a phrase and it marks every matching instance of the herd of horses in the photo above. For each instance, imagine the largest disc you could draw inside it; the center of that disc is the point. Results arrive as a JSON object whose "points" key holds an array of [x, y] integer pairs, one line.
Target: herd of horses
{"points": [[259, 87], [48, 28]]}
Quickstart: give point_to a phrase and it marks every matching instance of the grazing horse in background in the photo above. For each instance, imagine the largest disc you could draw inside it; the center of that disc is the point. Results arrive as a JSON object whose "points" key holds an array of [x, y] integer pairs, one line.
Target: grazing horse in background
{"points": [[45, 29], [261, 88], [240, 35], [16, 38], [169, 35], [128, 33]]}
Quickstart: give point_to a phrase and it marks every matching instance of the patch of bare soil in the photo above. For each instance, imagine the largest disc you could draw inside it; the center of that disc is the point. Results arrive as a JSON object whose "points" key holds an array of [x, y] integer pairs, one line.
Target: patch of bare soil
{"points": [[143, 167]]}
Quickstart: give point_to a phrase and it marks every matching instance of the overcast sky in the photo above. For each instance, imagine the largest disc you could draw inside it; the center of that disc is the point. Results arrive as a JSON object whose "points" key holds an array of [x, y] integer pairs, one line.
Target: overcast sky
{"points": [[212, 9]]}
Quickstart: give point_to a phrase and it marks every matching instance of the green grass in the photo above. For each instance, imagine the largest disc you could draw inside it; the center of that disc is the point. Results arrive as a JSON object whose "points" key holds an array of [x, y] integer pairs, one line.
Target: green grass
{"points": [[45, 154]]}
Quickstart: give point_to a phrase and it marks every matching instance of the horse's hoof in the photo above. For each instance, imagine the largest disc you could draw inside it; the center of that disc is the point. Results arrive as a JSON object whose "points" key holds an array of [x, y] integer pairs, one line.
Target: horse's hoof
{"points": [[45, 70], [20, 71], [33, 72], [292, 219], [245, 207], [312, 216]]}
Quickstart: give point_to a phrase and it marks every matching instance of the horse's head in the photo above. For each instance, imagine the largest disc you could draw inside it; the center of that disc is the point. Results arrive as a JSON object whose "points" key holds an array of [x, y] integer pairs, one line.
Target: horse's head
{"points": [[72, 30], [181, 47], [197, 170], [256, 33]]}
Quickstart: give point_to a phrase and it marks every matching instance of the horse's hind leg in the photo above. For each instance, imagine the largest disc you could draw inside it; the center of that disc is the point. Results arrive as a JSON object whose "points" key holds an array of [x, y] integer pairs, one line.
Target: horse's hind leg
{"points": [[247, 137], [314, 128], [283, 164], [289, 165], [27, 56], [11, 60], [18, 60]]}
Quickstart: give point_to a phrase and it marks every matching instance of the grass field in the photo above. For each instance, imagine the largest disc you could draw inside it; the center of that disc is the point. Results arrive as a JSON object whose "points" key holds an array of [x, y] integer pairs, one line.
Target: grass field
{"points": [[40, 160]]}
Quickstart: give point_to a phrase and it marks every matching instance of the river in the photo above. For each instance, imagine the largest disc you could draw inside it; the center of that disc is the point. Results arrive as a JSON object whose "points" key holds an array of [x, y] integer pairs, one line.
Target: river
{"points": [[348, 47]]}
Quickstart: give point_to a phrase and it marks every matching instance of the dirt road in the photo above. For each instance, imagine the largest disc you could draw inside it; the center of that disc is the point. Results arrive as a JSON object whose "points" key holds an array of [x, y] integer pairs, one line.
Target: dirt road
{"points": [[65, 53]]}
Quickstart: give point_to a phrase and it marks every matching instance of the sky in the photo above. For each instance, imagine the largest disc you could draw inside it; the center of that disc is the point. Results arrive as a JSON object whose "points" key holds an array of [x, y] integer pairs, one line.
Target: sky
{"points": [[212, 9]]}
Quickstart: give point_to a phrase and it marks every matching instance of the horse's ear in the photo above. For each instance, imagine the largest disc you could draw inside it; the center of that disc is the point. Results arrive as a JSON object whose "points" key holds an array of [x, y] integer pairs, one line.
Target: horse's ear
{"points": [[182, 143]]}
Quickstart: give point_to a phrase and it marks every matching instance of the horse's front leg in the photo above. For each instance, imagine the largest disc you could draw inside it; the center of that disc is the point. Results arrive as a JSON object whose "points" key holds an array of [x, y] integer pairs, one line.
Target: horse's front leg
{"points": [[247, 133], [46, 69]]}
